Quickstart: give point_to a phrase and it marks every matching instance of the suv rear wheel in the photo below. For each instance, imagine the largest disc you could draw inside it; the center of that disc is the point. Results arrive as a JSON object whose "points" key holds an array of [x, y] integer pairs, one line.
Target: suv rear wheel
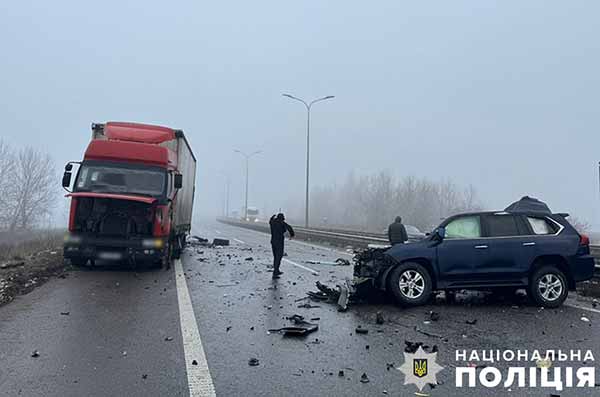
{"points": [[548, 287], [410, 283]]}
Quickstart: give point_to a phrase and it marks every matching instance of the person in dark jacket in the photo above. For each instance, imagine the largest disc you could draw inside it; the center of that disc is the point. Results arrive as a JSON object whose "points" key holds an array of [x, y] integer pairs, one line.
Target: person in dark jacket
{"points": [[397, 232], [278, 229]]}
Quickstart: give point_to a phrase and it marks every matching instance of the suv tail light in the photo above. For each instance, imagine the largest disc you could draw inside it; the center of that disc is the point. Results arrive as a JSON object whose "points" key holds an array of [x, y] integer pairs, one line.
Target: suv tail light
{"points": [[584, 240]]}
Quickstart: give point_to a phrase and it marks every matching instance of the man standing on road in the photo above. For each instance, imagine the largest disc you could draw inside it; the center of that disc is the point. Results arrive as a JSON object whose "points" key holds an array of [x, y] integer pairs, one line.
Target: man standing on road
{"points": [[278, 229], [397, 232]]}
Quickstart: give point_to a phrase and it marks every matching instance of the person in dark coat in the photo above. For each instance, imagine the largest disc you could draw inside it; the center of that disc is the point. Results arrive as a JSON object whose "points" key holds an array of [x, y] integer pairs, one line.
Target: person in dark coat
{"points": [[397, 232], [278, 229]]}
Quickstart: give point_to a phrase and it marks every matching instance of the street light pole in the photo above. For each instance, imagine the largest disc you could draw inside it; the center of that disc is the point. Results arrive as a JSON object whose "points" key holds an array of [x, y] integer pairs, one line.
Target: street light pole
{"points": [[247, 157], [308, 107]]}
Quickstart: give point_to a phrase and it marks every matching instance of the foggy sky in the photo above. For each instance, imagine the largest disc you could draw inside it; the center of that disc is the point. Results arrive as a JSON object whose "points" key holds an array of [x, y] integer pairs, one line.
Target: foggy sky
{"points": [[503, 96]]}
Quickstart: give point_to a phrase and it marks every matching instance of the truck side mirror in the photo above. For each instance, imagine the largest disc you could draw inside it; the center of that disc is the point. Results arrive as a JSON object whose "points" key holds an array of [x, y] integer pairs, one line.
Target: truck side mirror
{"points": [[66, 181], [178, 181], [68, 167]]}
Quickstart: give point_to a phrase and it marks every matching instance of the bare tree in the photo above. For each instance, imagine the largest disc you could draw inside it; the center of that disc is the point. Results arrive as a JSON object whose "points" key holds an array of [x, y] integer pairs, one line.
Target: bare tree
{"points": [[580, 225], [371, 202], [31, 194], [6, 160]]}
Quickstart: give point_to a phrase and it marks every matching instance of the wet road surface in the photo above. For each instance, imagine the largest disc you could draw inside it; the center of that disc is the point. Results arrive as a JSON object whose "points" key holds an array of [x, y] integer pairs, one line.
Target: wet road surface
{"points": [[113, 341]]}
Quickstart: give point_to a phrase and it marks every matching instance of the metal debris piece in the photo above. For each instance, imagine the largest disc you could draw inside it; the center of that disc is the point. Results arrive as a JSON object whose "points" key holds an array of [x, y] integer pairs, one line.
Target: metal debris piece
{"points": [[427, 333], [300, 328], [249, 259], [321, 296], [194, 362], [65, 313], [344, 296], [253, 362], [337, 262], [364, 378], [307, 305], [434, 316], [220, 242], [145, 376], [341, 372], [472, 321], [168, 338], [363, 331], [35, 354]]}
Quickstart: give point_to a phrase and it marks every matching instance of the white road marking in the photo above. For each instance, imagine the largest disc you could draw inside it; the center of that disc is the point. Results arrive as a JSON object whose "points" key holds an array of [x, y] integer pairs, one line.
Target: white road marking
{"points": [[199, 379], [589, 309], [239, 241], [316, 273]]}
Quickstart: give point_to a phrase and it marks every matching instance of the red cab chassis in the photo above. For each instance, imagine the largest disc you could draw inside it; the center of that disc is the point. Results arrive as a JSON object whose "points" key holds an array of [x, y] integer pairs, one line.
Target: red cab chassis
{"points": [[132, 196]]}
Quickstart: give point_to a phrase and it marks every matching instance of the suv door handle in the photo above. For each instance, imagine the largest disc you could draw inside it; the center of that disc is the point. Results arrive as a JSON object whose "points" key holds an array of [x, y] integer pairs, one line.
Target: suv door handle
{"points": [[481, 247], [528, 244]]}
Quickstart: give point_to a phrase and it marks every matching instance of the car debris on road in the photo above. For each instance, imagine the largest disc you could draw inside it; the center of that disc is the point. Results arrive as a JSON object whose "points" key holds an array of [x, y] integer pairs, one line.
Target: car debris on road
{"points": [[300, 328]]}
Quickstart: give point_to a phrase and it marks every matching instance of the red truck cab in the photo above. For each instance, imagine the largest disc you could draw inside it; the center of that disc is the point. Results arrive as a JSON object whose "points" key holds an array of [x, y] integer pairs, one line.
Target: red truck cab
{"points": [[132, 196]]}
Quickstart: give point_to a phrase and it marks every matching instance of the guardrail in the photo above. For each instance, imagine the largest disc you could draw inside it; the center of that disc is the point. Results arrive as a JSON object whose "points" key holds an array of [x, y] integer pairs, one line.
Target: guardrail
{"points": [[345, 238]]}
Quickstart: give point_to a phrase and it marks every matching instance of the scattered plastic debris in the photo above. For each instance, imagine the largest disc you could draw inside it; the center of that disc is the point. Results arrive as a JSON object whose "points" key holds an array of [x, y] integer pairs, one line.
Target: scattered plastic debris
{"points": [[434, 316], [362, 331], [220, 242]]}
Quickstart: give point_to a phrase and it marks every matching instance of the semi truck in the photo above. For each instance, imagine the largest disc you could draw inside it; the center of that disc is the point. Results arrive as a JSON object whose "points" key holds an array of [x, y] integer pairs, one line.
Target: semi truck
{"points": [[132, 195]]}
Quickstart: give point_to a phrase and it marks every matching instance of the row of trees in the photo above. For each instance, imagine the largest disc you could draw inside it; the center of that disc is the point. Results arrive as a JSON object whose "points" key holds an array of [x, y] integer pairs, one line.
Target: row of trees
{"points": [[371, 202], [28, 188]]}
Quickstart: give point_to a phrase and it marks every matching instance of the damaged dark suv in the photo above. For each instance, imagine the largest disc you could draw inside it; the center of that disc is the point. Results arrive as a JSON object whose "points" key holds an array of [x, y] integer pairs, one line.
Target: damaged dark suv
{"points": [[524, 246]]}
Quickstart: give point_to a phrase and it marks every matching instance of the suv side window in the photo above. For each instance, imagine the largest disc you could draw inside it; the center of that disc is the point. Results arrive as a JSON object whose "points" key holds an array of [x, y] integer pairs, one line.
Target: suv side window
{"points": [[503, 225], [464, 227], [541, 226]]}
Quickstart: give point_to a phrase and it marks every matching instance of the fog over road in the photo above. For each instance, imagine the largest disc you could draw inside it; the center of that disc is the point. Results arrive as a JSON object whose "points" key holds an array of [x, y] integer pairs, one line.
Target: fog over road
{"points": [[123, 331]]}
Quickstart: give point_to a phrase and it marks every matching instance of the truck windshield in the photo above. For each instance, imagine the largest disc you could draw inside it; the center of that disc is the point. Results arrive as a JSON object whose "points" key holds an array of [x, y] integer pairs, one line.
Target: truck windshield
{"points": [[115, 179]]}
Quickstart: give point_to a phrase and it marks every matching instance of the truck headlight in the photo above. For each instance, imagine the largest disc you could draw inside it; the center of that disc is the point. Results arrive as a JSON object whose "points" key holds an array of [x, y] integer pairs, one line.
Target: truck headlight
{"points": [[72, 239], [153, 243]]}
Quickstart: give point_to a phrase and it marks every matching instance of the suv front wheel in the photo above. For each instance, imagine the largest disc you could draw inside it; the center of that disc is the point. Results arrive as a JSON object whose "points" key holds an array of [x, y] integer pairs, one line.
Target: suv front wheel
{"points": [[548, 287], [410, 283]]}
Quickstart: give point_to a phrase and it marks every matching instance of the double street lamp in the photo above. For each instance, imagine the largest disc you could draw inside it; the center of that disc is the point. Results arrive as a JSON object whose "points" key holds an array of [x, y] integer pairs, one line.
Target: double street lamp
{"points": [[308, 106], [247, 157]]}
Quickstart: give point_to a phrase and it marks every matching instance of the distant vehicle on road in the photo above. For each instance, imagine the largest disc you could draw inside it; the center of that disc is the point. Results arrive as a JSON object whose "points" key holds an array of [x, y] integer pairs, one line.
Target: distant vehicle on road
{"points": [[133, 195], [414, 234], [252, 214], [525, 246]]}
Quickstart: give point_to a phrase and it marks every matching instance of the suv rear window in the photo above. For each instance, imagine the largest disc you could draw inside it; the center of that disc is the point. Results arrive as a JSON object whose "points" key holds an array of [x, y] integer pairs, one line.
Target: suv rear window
{"points": [[464, 227], [541, 226], [502, 226]]}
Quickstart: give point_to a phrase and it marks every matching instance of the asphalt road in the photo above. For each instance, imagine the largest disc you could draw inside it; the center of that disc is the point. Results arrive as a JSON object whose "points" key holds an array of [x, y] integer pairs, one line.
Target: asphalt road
{"points": [[195, 327]]}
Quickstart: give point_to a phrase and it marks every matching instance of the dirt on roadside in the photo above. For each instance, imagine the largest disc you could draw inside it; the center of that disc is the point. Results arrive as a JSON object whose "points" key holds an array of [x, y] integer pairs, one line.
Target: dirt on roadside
{"points": [[21, 274]]}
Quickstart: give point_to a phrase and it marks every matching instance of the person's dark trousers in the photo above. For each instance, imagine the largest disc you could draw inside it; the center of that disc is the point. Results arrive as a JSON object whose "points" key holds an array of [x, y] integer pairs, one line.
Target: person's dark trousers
{"points": [[277, 255]]}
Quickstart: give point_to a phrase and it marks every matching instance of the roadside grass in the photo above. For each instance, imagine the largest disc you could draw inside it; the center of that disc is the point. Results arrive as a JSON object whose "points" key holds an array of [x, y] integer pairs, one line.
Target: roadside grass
{"points": [[20, 245]]}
